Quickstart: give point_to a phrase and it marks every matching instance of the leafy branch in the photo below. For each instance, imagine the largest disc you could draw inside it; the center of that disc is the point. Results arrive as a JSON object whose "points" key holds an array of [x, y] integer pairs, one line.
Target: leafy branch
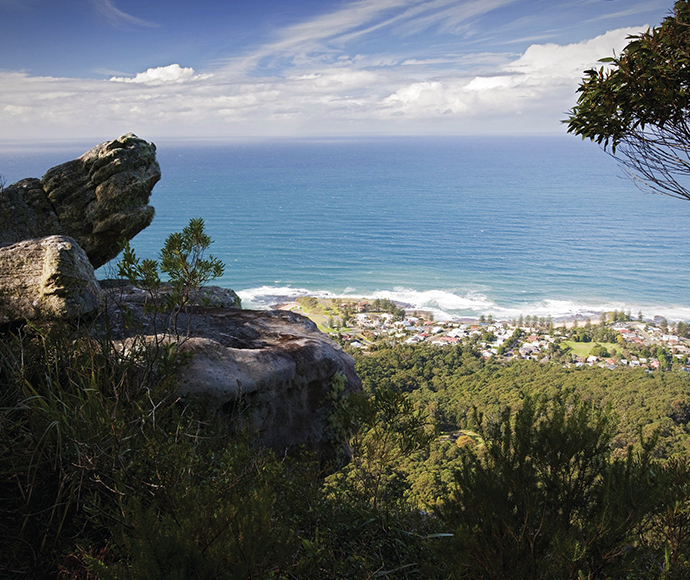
{"points": [[183, 259]]}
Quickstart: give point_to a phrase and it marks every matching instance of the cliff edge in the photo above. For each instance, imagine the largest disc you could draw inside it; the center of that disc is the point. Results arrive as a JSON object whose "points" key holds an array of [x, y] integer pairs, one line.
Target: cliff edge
{"points": [[98, 199]]}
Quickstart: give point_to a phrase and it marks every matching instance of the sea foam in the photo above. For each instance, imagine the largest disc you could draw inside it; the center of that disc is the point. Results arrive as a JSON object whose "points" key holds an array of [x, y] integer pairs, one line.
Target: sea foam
{"points": [[447, 305]]}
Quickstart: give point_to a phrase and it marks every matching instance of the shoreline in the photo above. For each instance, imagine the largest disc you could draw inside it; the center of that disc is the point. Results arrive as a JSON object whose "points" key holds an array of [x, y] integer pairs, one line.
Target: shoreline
{"points": [[449, 305], [560, 321]]}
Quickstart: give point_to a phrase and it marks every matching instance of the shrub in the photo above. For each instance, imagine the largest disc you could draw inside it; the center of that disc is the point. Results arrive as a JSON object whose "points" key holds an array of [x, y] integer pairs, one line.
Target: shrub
{"points": [[545, 499], [183, 259]]}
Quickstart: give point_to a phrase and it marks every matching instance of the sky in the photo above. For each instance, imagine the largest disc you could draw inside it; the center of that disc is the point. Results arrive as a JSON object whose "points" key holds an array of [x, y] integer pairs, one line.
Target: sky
{"points": [[229, 69]]}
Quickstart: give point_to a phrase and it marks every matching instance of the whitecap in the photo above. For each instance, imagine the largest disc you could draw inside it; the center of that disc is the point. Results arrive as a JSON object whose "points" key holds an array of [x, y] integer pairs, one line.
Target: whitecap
{"points": [[446, 304]]}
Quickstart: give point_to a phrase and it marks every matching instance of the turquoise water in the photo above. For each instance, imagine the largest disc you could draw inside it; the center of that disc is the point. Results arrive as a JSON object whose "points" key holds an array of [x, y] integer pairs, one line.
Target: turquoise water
{"points": [[466, 226]]}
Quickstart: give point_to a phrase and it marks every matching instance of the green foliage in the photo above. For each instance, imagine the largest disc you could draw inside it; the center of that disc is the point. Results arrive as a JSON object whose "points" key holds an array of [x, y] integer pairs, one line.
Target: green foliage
{"points": [[183, 259], [101, 462], [310, 304], [387, 305], [389, 429], [211, 523], [73, 415], [372, 527], [671, 527], [449, 382], [102, 468], [544, 499], [640, 105], [600, 351], [143, 274]]}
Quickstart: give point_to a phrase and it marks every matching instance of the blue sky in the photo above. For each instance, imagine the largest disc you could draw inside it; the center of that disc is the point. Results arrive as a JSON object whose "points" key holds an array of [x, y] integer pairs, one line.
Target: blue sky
{"points": [[232, 69]]}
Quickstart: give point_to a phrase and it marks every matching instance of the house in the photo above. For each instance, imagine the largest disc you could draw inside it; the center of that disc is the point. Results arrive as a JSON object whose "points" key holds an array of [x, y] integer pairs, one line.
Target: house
{"points": [[443, 340], [526, 350], [457, 333]]}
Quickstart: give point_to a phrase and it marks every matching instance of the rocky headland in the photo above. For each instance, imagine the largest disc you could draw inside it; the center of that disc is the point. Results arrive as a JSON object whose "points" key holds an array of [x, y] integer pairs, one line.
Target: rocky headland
{"points": [[274, 369]]}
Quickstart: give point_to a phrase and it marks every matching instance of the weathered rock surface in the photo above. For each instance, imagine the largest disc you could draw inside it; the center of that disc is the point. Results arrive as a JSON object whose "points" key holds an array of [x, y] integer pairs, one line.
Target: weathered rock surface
{"points": [[275, 364], [98, 199], [46, 277]]}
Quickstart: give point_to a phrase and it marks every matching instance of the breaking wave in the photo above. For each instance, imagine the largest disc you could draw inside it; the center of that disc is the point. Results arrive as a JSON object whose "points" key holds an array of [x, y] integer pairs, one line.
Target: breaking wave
{"points": [[447, 305]]}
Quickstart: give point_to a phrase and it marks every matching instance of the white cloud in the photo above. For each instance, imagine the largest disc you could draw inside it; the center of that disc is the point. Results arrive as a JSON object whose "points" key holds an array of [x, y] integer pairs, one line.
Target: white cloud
{"points": [[543, 79], [642, 8], [324, 37], [304, 37], [173, 73], [428, 98], [16, 109], [551, 60], [530, 92], [453, 18]]}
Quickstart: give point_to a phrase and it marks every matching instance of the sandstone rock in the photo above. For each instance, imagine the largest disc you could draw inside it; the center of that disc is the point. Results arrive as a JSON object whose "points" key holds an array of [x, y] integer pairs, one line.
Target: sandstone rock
{"points": [[208, 296], [98, 199], [277, 364], [274, 364], [46, 277]]}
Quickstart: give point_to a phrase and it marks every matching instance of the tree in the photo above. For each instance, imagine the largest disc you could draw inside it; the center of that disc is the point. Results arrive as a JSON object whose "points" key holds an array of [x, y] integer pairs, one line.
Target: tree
{"points": [[183, 259], [542, 497], [639, 106]]}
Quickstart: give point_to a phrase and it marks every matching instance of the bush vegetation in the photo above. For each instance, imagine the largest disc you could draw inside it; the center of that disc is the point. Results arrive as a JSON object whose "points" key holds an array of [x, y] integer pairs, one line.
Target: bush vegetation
{"points": [[105, 474], [460, 469]]}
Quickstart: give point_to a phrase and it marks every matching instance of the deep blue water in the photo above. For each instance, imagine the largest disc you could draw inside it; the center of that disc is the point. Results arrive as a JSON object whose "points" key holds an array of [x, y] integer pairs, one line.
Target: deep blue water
{"points": [[466, 225]]}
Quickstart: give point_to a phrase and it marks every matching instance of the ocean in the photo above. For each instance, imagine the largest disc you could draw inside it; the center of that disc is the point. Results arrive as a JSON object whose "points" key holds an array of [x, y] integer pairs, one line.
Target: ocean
{"points": [[462, 226]]}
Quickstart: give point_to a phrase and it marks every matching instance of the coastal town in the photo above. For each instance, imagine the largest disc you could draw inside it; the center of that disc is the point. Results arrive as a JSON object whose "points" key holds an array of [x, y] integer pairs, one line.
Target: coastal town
{"points": [[613, 340]]}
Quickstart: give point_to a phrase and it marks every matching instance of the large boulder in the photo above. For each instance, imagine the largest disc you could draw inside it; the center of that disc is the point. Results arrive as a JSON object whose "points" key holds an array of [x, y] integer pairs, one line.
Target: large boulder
{"points": [[272, 370], [98, 199], [46, 278], [274, 363]]}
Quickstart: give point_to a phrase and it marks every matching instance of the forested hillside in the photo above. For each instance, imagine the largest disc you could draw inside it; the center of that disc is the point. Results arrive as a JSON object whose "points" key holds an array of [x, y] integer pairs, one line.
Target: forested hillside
{"points": [[448, 383], [105, 474]]}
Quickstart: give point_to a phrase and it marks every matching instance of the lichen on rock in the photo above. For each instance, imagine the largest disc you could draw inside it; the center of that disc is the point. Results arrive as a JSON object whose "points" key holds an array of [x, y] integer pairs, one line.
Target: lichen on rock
{"points": [[48, 277], [98, 199]]}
